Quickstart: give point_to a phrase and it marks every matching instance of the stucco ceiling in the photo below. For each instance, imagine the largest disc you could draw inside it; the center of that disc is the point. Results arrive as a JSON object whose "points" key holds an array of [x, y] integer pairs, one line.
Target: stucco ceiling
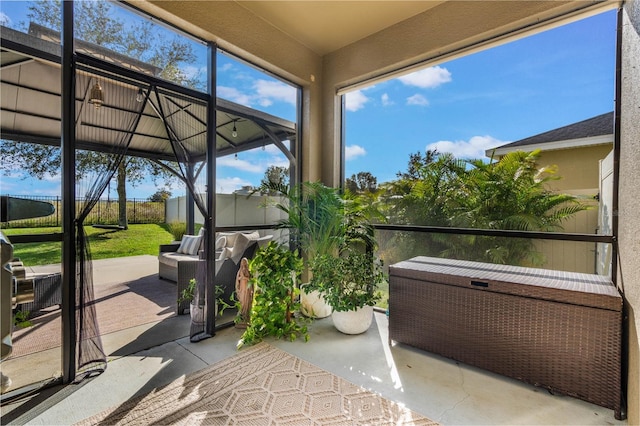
{"points": [[325, 26]]}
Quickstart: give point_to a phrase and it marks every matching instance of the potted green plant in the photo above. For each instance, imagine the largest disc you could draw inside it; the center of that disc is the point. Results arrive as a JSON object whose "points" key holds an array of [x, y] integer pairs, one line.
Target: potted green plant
{"points": [[274, 274], [320, 221], [197, 310], [351, 281]]}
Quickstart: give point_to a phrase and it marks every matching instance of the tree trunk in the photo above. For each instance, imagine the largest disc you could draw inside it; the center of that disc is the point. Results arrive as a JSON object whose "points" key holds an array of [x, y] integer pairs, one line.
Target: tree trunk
{"points": [[122, 195]]}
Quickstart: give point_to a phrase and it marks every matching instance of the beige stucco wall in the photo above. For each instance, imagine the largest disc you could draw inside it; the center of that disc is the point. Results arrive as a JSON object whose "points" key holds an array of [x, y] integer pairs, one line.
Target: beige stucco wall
{"points": [[580, 175], [629, 201], [448, 29], [578, 167]]}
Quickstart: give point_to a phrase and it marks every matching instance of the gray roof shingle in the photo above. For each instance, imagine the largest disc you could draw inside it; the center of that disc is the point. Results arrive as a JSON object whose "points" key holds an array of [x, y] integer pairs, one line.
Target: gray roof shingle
{"points": [[595, 126]]}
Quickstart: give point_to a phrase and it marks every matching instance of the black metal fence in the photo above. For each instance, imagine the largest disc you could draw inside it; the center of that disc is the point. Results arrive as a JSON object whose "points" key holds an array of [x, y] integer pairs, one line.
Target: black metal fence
{"points": [[104, 213]]}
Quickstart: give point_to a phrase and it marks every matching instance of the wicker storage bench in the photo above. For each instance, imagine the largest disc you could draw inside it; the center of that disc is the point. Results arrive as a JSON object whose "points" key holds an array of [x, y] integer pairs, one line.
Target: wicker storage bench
{"points": [[558, 330]]}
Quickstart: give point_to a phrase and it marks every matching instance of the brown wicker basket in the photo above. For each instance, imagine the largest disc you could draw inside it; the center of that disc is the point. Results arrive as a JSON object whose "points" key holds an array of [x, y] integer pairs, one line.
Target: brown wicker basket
{"points": [[558, 330]]}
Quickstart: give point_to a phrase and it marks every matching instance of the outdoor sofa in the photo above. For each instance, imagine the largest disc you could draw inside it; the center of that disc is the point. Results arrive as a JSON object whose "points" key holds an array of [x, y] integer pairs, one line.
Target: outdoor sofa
{"points": [[178, 261]]}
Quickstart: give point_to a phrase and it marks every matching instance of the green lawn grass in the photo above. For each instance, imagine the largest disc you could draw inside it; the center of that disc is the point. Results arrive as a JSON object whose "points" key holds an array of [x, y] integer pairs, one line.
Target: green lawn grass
{"points": [[105, 243], [108, 243]]}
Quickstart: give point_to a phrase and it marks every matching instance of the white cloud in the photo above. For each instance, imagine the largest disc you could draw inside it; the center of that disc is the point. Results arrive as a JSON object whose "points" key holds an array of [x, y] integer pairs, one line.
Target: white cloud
{"points": [[427, 78], [417, 99], [51, 192], [355, 100], [272, 150], [56, 177], [385, 100], [191, 71], [277, 162], [275, 90], [239, 164], [354, 151], [231, 184], [473, 148], [234, 95], [4, 19], [225, 67], [263, 93]]}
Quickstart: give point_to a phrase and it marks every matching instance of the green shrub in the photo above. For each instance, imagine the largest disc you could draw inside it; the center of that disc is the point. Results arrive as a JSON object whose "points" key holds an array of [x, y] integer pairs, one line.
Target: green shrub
{"points": [[177, 229]]}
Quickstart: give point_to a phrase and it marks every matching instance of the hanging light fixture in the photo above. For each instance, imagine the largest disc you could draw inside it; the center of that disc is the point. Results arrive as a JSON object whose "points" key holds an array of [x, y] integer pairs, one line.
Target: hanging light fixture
{"points": [[234, 132], [140, 95], [96, 97]]}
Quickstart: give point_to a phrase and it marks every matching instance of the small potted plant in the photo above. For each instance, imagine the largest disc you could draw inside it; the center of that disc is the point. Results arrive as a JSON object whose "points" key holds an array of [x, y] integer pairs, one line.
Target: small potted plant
{"points": [[197, 310], [355, 278], [274, 274]]}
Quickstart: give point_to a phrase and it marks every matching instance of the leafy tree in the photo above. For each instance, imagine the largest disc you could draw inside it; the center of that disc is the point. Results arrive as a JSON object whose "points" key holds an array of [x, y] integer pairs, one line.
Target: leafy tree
{"points": [[417, 163], [161, 195], [95, 23], [421, 196], [510, 194], [362, 182], [274, 177]]}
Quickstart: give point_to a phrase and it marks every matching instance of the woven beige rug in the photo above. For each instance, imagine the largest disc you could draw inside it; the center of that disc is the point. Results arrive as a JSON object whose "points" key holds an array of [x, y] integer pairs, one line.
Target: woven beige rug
{"points": [[261, 385]]}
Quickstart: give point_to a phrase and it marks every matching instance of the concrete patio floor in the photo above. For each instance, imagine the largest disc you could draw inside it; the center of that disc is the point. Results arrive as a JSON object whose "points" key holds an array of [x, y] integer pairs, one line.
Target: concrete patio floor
{"points": [[441, 389]]}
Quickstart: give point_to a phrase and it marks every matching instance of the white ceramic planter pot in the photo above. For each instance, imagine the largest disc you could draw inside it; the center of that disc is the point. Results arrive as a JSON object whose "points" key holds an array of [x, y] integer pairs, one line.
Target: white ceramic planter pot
{"points": [[353, 322], [313, 305]]}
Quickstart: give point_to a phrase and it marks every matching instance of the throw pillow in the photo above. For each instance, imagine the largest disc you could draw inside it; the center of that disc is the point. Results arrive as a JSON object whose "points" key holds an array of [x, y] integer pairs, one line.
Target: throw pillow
{"points": [[223, 254], [221, 242], [230, 236], [190, 244], [242, 242]]}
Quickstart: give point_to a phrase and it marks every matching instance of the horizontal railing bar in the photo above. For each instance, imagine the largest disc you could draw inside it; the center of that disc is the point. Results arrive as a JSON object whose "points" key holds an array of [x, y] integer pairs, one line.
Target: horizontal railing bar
{"points": [[559, 236], [244, 228]]}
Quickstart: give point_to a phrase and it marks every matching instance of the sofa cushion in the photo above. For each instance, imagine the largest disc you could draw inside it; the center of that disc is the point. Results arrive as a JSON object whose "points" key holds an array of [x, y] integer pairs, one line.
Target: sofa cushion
{"points": [[190, 244], [172, 258]]}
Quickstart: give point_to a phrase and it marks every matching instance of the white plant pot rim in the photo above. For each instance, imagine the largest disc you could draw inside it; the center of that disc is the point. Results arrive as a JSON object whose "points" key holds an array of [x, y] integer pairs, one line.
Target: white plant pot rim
{"points": [[353, 322]]}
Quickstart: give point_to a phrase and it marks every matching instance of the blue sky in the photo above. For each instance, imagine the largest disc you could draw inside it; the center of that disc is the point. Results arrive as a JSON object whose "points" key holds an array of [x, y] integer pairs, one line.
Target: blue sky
{"points": [[484, 100], [463, 106]]}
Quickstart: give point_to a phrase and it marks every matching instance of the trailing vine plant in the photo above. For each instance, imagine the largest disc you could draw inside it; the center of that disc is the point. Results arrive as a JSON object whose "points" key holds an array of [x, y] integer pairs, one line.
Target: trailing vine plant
{"points": [[275, 272]]}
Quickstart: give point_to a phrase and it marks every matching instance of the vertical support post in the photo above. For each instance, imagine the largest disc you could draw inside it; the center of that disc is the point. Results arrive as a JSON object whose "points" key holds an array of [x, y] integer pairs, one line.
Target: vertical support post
{"points": [[67, 143], [190, 210], [616, 149], [615, 207], [295, 170], [210, 220], [343, 136]]}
